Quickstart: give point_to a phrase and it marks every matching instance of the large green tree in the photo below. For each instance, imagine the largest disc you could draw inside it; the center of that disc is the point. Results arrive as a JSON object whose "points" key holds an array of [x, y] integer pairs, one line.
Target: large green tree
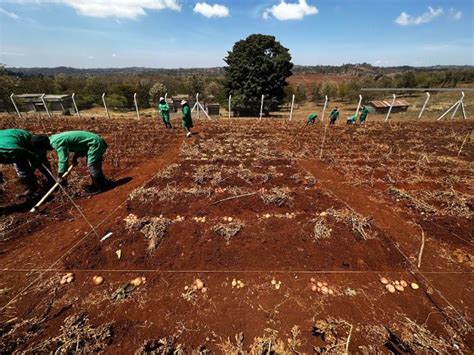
{"points": [[258, 65]]}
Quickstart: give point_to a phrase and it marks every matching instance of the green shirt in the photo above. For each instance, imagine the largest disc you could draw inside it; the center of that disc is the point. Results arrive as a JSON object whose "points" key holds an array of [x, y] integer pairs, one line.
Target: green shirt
{"points": [[334, 114], [187, 120], [80, 142], [164, 109], [364, 112], [15, 144], [312, 116]]}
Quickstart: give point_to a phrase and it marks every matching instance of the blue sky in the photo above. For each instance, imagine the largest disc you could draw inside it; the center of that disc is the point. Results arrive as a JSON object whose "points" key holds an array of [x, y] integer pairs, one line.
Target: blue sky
{"points": [[198, 33]]}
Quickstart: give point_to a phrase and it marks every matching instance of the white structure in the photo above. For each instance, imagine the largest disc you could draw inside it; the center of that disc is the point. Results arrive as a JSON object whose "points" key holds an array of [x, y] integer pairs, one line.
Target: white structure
{"points": [[261, 107], [230, 106], [45, 106], [390, 109], [358, 105], [457, 104], [198, 106], [292, 104], [136, 104], [105, 105], [324, 108], [424, 105], [14, 105], [74, 103]]}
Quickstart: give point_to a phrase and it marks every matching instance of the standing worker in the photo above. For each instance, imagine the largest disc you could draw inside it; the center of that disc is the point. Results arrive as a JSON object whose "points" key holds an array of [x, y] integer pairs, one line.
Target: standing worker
{"points": [[334, 116], [164, 110], [16, 147], [82, 144], [311, 118], [187, 120], [363, 115]]}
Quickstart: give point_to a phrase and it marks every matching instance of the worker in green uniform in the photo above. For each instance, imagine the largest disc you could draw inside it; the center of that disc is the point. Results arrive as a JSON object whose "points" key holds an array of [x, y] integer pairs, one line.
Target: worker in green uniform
{"points": [[311, 118], [351, 119], [187, 119], [164, 110], [16, 148], [333, 116], [363, 115], [82, 144]]}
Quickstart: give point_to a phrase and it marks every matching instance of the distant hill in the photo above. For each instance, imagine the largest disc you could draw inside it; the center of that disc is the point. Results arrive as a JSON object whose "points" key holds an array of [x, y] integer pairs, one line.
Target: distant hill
{"points": [[346, 69], [116, 71]]}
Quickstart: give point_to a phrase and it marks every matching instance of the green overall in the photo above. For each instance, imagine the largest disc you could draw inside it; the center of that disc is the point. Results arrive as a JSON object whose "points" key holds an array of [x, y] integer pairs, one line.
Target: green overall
{"points": [[80, 142], [187, 120]]}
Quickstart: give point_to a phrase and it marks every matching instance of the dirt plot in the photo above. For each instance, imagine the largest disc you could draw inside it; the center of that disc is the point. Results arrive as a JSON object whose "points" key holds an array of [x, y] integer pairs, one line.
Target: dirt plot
{"points": [[250, 237]]}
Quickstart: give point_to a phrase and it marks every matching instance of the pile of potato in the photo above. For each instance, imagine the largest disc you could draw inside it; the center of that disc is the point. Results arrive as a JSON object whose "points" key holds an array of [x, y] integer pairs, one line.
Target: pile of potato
{"points": [[400, 286], [321, 287]]}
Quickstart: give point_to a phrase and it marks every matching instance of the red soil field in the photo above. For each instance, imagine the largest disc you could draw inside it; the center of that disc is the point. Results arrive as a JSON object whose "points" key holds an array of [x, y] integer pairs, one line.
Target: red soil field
{"points": [[307, 220]]}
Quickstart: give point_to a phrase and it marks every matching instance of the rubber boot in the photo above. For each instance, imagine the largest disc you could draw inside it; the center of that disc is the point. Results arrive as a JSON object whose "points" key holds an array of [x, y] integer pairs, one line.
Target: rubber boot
{"points": [[31, 186]]}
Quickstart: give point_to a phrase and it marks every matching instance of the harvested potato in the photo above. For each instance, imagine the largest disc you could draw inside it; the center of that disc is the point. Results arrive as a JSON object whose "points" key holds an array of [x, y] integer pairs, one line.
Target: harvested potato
{"points": [[136, 281], [383, 280], [414, 286], [97, 280], [399, 288], [199, 284], [390, 288]]}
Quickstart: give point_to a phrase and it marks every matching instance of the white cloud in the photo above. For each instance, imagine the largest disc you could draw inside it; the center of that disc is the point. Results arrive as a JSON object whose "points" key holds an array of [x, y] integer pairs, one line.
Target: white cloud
{"points": [[290, 11], [114, 55], [12, 15], [90, 57], [405, 19], [455, 14], [128, 9], [12, 54], [209, 11]]}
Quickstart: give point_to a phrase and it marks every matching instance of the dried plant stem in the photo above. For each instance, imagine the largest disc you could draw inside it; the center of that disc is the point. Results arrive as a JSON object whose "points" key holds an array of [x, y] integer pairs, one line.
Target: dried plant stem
{"points": [[348, 340], [421, 249], [234, 197], [464, 142]]}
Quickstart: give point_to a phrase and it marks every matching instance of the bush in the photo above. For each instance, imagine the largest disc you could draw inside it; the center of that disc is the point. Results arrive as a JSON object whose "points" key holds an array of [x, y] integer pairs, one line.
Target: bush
{"points": [[118, 102], [157, 90]]}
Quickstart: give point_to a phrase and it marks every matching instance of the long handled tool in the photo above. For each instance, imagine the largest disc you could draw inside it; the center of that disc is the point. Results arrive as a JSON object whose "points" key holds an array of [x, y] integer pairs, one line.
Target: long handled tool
{"points": [[51, 190]]}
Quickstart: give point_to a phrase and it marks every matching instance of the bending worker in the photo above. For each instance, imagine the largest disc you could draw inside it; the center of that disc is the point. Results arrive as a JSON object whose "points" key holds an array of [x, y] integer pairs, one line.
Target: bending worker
{"points": [[187, 119], [82, 144], [164, 110], [311, 118], [363, 115], [16, 147]]}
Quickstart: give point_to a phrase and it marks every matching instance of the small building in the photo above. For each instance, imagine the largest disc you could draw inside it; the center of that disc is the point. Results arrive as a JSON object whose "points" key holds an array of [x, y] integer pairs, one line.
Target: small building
{"points": [[35, 102], [384, 106], [177, 102], [213, 109]]}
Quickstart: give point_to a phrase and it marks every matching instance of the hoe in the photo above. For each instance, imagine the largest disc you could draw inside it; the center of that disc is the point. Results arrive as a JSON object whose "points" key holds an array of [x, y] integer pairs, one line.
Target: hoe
{"points": [[51, 190]]}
